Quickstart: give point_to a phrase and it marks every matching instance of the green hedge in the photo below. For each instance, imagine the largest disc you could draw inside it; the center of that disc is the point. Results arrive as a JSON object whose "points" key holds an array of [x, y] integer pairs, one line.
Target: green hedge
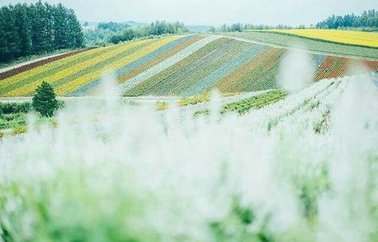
{"points": [[11, 108]]}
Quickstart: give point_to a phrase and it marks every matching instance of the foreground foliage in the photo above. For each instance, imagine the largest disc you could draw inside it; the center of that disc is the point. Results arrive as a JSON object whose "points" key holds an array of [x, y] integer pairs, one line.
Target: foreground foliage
{"points": [[13, 115], [292, 170]]}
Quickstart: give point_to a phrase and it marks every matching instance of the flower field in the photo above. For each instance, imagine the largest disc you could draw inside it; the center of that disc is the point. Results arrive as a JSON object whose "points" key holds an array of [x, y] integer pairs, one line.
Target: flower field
{"points": [[140, 65], [75, 76], [207, 82], [180, 81], [129, 84], [176, 69], [369, 39], [185, 66], [257, 74]]}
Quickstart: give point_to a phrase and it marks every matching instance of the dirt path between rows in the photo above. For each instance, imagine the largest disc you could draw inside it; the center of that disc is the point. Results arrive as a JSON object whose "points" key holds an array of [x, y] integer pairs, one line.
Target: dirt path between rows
{"points": [[24, 66]]}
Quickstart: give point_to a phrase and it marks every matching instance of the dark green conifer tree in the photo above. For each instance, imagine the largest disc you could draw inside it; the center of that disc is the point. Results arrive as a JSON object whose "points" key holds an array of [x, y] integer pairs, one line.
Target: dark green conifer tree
{"points": [[44, 100]]}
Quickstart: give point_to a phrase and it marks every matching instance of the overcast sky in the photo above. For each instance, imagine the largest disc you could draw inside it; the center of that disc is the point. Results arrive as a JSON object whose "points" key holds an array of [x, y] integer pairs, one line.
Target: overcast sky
{"points": [[212, 12]]}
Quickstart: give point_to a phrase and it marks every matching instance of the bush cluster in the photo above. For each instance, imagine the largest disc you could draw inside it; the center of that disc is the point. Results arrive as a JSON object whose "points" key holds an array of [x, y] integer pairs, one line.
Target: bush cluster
{"points": [[12, 108]]}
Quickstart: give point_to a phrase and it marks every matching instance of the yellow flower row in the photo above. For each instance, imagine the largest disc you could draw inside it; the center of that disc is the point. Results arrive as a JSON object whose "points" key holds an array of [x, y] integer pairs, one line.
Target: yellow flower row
{"points": [[341, 36], [71, 86], [23, 90], [93, 61], [48, 67], [96, 73]]}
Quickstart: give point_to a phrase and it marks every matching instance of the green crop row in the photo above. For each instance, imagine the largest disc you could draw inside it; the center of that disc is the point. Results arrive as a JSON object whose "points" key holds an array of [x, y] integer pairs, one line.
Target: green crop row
{"points": [[255, 102]]}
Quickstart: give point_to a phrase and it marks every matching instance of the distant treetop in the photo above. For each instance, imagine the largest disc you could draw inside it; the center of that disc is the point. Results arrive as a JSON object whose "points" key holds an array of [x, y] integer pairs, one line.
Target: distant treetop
{"points": [[37, 28], [115, 33]]}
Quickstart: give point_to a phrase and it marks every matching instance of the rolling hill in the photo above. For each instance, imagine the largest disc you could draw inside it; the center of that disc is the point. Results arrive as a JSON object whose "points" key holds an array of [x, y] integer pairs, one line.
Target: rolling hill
{"points": [[171, 66]]}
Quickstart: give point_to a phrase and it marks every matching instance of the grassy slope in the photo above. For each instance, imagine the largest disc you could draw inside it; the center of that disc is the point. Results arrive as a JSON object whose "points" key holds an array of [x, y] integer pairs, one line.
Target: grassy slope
{"points": [[312, 45]]}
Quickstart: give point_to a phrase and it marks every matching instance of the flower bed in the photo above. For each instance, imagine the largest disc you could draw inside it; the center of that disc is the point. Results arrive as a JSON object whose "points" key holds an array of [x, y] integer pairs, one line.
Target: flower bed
{"points": [[177, 68], [181, 81], [165, 64], [207, 82], [44, 71]]}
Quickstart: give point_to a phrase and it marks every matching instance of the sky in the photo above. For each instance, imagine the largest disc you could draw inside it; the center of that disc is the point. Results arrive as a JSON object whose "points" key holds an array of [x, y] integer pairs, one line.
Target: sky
{"points": [[212, 12]]}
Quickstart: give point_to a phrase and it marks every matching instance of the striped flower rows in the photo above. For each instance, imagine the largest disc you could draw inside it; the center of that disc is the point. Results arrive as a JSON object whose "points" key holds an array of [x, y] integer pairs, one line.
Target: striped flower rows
{"points": [[176, 65], [256, 74], [228, 69], [155, 61], [205, 83], [140, 65], [45, 70], [163, 65], [334, 66], [74, 76], [97, 73], [177, 69], [27, 85], [189, 76]]}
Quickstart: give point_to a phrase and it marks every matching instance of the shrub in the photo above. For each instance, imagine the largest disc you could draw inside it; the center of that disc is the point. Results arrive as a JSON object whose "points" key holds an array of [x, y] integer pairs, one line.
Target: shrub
{"points": [[11, 108]]}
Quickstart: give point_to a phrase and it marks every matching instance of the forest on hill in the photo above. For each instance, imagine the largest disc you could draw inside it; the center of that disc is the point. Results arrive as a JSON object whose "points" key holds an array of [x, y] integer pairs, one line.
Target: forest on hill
{"points": [[112, 32], [29, 29], [368, 20]]}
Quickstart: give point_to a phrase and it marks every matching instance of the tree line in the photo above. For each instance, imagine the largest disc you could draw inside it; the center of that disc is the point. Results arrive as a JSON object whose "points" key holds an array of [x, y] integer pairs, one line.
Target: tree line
{"points": [[118, 32], [37, 28], [368, 20], [239, 27]]}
